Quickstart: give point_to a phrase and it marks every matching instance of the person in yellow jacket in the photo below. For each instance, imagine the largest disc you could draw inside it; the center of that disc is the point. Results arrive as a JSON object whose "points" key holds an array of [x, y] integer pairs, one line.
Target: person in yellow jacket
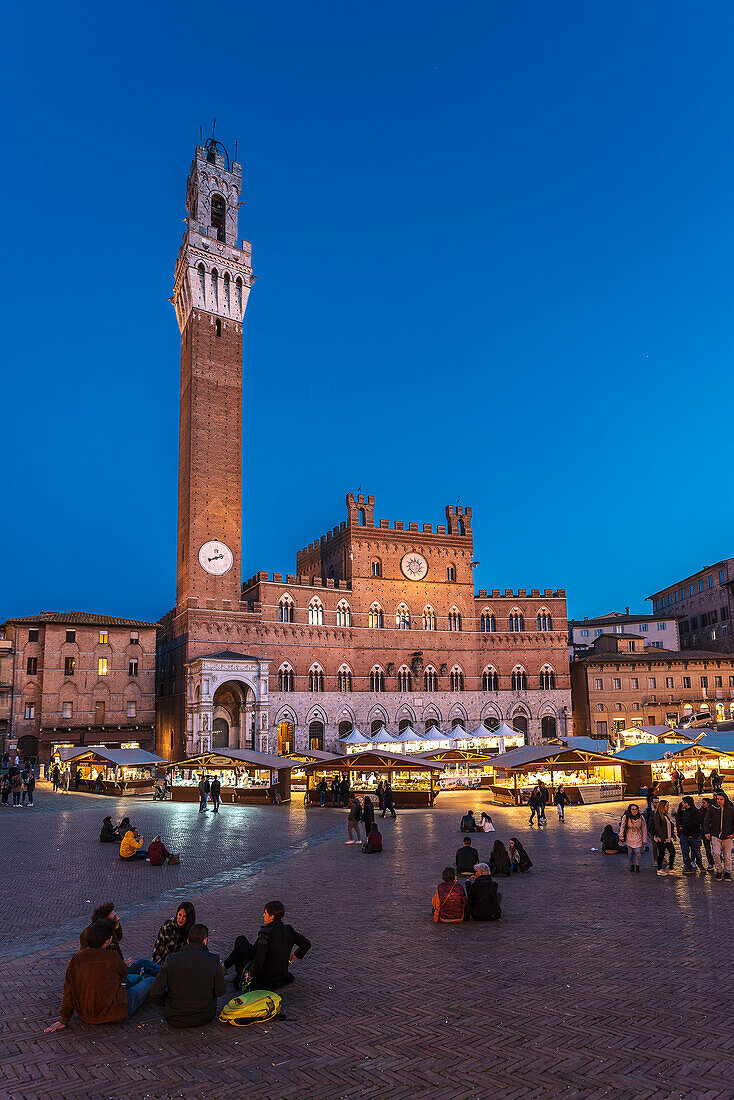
{"points": [[132, 846]]}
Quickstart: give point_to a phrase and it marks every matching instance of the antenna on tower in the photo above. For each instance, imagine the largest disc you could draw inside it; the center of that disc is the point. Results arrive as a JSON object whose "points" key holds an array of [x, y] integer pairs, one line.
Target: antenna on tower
{"points": [[201, 135], [235, 150], [214, 125]]}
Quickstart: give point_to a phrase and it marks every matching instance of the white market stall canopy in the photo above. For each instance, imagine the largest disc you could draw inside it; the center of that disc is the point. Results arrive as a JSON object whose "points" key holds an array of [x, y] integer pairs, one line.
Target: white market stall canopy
{"points": [[382, 737], [355, 737], [122, 758]]}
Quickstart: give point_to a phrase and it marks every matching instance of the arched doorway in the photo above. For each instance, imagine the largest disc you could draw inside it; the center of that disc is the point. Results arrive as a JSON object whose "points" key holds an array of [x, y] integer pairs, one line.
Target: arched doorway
{"points": [[316, 735], [457, 723], [220, 733], [376, 725], [403, 724], [28, 746], [520, 723], [547, 727], [286, 732]]}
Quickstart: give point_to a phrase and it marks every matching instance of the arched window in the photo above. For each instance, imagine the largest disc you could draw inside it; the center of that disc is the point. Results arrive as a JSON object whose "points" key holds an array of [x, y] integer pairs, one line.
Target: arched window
{"points": [[491, 723], [238, 296], [547, 678], [457, 723], [215, 288], [316, 735], [377, 679], [517, 621], [431, 724], [490, 680], [226, 291], [519, 679], [487, 622], [285, 609], [454, 619], [429, 618], [457, 679], [316, 612], [402, 617], [548, 727], [343, 614], [545, 622], [405, 680], [218, 216], [286, 678], [376, 567], [430, 679], [375, 617], [315, 678], [344, 678], [345, 728], [202, 284]]}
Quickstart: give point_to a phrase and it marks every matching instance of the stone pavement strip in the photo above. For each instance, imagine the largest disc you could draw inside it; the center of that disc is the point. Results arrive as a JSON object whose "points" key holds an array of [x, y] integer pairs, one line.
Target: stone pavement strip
{"points": [[596, 983]]}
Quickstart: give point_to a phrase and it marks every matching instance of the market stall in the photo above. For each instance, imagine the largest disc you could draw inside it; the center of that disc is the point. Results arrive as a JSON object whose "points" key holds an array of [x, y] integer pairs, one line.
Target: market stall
{"points": [[110, 771], [501, 739], [463, 768], [245, 776], [303, 757], [645, 764], [585, 776], [412, 779]]}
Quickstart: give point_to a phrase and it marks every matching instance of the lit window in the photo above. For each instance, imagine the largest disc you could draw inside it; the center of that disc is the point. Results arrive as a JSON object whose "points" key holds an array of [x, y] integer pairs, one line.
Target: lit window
{"points": [[315, 612], [374, 618], [402, 617], [30, 710], [69, 663], [102, 666], [599, 685], [104, 637], [315, 679], [344, 678], [343, 614]]}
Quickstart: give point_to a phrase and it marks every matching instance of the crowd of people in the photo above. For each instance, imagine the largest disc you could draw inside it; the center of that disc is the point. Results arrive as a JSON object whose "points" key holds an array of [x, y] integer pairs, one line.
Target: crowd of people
{"points": [[183, 976], [707, 828], [17, 782], [341, 795], [131, 843]]}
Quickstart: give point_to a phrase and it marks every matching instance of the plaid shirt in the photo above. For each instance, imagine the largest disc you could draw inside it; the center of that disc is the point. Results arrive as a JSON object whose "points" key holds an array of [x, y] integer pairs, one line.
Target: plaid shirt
{"points": [[168, 941]]}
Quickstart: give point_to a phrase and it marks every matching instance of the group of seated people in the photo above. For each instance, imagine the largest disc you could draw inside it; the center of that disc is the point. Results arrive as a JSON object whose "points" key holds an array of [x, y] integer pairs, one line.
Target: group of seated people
{"points": [[481, 899], [131, 843], [469, 823], [183, 976]]}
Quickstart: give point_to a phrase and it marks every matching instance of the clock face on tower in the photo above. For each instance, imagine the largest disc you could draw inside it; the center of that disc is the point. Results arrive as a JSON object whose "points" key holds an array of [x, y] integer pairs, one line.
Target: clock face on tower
{"points": [[216, 558], [414, 566]]}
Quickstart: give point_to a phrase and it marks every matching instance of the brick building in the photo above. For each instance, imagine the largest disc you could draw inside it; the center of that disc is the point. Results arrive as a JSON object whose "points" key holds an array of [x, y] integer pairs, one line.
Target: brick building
{"points": [[704, 604], [76, 679], [660, 631], [621, 683], [379, 623]]}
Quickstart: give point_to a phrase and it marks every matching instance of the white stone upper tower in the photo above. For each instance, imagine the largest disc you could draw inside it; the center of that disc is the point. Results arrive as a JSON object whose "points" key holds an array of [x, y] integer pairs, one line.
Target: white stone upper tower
{"points": [[213, 273]]}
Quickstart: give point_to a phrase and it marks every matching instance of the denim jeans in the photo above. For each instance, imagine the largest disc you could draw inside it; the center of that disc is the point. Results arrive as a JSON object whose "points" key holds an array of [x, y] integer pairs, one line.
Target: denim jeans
{"points": [[202, 802], [560, 810], [690, 847], [533, 811], [141, 968], [635, 856], [322, 796], [138, 994]]}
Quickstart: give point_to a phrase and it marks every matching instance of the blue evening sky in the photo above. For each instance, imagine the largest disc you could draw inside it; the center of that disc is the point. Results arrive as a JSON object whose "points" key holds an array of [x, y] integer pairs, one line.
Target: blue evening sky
{"points": [[494, 245]]}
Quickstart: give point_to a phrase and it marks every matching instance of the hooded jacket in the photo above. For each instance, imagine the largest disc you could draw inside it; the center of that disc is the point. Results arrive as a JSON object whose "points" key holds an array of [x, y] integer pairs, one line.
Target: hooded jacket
{"points": [[719, 820]]}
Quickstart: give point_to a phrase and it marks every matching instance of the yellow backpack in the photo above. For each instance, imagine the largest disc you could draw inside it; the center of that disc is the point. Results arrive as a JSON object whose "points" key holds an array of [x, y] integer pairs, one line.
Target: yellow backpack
{"points": [[254, 1007]]}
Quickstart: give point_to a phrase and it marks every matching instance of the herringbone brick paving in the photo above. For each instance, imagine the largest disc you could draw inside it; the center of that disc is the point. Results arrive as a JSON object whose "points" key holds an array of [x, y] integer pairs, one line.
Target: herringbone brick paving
{"points": [[596, 983]]}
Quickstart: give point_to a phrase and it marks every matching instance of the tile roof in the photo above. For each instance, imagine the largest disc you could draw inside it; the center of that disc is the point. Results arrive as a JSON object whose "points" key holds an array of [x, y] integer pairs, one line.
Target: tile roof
{"points": [[652, 653], [81, 618], [621, 617]]}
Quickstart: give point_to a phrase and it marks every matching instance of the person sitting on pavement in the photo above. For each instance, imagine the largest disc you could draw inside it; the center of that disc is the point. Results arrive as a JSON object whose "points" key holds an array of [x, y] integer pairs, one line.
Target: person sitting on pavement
{"points": [[157, 852], [95, 986], [268, 958], [123, 827], [486, 825], [108, 833], [173, 934], [105, 912], [519, 858], [468, 824], [499, 860], [374, 841], [131, 846], [449, 901], [609, 841], [189, 982], [482, 897], [467, 857]]}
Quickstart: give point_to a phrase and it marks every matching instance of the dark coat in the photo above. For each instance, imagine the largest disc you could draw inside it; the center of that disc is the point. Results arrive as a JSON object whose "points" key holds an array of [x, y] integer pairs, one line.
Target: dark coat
{"points": [[368, 815], [187, 986], [94, 987], [275, 942], [108, 835], [388, 794], [466, 858], [689, 822], [216, 788], [483, 899], [719, 822]]}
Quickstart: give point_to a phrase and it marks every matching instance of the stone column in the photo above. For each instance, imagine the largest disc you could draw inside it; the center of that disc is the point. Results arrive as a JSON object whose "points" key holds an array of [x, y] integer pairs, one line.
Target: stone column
{"points": [[206, 718]]}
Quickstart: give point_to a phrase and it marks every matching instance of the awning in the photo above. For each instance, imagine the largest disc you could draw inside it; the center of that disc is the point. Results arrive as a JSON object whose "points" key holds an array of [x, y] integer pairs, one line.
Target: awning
{"points": [[652, 753], [382, 737], [122, 758], [354, 737], [226, 758], [529, 756], [370, 760]]}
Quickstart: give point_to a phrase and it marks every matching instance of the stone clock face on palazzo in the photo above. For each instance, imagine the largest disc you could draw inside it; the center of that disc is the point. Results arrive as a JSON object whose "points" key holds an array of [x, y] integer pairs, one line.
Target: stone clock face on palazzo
{"points": [[216, 558], [414, 566]]}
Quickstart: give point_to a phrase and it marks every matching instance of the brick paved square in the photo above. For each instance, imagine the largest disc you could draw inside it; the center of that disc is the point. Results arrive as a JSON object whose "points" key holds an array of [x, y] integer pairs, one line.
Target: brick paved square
{"points": [[596, 983]]}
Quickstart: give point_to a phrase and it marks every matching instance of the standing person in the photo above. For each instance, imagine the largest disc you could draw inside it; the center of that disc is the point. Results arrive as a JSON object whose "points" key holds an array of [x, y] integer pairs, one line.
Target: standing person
{"points": [[648, 815], [30, 786], [700, 780], [381, 796], [561, 799], [189, 982], [4, 789], [344, 791], [633, 833], [651, 794], [173, 934], [368, 815], [355, 815], [689, 822], [715, 779], [543, 799], [323, 790], [77, 777], [216, 793], [706, 840], [66, 780], [663, 828], [335, 791], [535, 805], [388, 800], [718, 826], [16, 786], [203, 794], [675, 775], [56, 777]]}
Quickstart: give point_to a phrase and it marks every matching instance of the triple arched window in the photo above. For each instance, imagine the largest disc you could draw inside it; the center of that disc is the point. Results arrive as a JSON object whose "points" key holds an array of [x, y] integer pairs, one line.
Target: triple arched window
{"points": [[315, 678], [429, 618], [454, 619], [430, 679], [285, 609], [547, 678], [377, 679], [457, 679], [517, 621], [487, 622], [344, 678], [545, 622], [402, 617], [286, 678], [343, 614], [405, 680], [316, 612], [519, 679], [375, 618], [490, 680]]}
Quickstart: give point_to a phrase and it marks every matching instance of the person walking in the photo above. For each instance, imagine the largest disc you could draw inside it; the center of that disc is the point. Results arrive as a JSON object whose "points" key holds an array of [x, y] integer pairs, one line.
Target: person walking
{"points": [[381, 796], [700, 780], [706, 840], [536, 806], [633, 833], [664, 830], [544, 799], [323, 791], [203, 794], [216, 793], [718, 826], [689, 825], [66, 780], [56, 777], [368, 815], [561, 800], [335, 791], [388, 800], [355, 815], [29, 786]]}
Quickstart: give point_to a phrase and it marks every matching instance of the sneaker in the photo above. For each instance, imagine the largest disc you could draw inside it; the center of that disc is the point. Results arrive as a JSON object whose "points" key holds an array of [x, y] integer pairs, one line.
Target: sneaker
{"points": [[662, 871], [719, 876], [632, 869]]}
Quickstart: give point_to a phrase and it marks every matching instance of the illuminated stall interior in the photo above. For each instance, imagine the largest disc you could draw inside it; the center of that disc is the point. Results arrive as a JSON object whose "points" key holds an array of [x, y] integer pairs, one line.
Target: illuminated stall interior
{"points": [[484, 739], [585, 776], [303, 757], [645, 735], [245, 776], [122, 771], [463, 768], [413, 780], [645, 764]]}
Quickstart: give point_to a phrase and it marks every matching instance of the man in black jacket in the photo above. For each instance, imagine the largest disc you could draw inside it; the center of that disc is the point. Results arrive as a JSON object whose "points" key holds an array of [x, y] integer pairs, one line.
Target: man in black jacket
{"points": [[189, 982], [718, 826], [216, 793], [267, 960], [467, 857]]}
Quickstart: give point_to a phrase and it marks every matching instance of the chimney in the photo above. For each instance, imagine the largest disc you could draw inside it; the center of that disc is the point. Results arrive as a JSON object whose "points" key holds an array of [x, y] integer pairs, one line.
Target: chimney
{"points": [[626, 611]]}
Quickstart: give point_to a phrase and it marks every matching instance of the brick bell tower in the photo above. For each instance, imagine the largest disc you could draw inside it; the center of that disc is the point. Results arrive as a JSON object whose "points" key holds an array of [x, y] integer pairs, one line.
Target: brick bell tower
{"points": [[213, 281]]}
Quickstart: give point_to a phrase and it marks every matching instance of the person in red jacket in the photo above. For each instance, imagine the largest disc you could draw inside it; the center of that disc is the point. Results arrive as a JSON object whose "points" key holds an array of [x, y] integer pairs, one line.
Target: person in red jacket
{"points": [[374, 840], [157, 852]]}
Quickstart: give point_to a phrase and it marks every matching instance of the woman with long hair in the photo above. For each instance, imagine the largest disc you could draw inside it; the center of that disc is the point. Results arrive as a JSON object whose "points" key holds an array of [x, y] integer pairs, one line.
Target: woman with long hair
{"points": [[499, 860], [519, 858], [368, 815], [663, 829], [174, 933], [633, 833]]}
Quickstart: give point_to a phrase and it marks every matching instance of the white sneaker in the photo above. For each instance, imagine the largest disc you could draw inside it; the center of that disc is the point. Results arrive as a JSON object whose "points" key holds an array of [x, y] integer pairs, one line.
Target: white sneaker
{"points": [[662, 871]]}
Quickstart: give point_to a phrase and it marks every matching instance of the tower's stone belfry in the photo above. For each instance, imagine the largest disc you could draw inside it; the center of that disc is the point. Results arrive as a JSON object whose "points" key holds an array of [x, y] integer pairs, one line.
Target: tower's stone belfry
{"points": [[213, 280]]}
